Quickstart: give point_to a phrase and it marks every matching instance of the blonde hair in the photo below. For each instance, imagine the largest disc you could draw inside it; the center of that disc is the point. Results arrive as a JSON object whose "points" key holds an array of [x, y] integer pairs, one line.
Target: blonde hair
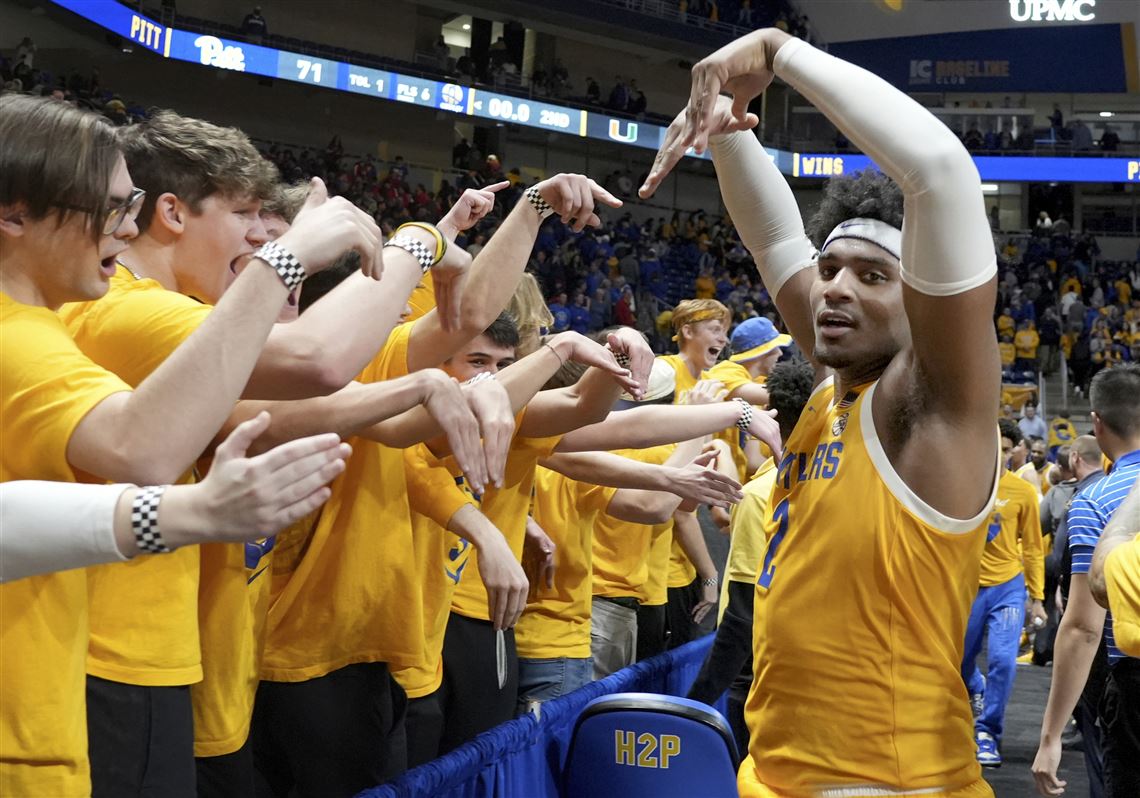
{"points": [[530, 313], [286, 200], [193, 159], [691, 311]]}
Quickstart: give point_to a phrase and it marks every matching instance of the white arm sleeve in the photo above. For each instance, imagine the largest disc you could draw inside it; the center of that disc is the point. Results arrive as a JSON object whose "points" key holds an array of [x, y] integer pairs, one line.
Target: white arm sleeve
{"points": [[762, 207], [54, 526], [947, 247]]}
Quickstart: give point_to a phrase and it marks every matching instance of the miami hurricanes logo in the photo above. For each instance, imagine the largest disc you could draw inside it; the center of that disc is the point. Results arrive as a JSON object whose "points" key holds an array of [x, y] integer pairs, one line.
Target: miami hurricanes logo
{"points": [[630, 131]]}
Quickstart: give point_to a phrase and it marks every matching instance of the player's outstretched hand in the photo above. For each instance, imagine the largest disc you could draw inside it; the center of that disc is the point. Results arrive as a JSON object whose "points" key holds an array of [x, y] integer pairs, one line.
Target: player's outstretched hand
{"points": [[472, 205], [573, 198], [244, 498], [325, 228]]}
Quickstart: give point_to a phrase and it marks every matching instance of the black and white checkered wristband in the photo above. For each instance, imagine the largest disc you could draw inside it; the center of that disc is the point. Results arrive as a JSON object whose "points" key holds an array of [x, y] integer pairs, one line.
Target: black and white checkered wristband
{"points": [[423, 255], [538, 203], [746, 413], [285, 262], [144, 520], [622, 359]]}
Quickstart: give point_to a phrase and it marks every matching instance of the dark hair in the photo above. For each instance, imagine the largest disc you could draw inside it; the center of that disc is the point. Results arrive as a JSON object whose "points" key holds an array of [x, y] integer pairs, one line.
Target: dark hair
{"points": [[322, 282], [1115, 397], [503, 332], [789, 385], [868, 194], [52, 155], [1009, 429], [193, 160]]}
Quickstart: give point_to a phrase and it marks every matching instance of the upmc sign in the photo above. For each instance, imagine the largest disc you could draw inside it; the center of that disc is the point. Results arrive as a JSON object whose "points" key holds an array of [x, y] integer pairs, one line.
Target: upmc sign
{"points": [[1052, 10]]}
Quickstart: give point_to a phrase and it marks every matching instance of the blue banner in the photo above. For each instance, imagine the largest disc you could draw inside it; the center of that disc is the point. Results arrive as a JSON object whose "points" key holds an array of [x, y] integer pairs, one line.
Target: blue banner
{"points": [[992, 168], [1035, 59]]}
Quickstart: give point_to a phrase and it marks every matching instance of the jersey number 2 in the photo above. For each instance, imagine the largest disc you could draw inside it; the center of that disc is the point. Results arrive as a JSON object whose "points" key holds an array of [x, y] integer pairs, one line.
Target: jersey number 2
{"points": [[768, 570]]}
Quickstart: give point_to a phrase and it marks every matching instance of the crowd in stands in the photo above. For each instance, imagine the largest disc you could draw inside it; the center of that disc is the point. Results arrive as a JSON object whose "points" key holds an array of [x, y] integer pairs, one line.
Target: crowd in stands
{"points": [[1057, 297]]}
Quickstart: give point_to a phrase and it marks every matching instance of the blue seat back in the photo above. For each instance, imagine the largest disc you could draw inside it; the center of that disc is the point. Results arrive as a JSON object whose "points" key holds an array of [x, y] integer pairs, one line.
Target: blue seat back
{"points": [[645, 745]]}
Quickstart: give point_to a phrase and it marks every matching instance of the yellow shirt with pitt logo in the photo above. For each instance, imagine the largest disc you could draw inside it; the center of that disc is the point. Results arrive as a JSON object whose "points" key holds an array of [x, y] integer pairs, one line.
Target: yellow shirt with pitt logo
{"points": [[47, 387], [1013, 536], [556, 622], [350, 593], [144, 612], [435, 495], [889, 714]]}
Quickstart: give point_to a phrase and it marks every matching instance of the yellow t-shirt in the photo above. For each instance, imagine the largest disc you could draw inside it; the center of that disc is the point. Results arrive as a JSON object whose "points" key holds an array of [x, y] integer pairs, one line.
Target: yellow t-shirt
{"points": [[747, 529], [734, 375], [556, 622], [1008, 353], [1061, 432], [681, 571], [1005, 324], [422, 300], [1013, 534], [620, 565], [353, 595], [1122, 579], [1026, 342], [435, 495], [151, 642], [47, 386], [654, 591], [854, 563], [507, 508]]}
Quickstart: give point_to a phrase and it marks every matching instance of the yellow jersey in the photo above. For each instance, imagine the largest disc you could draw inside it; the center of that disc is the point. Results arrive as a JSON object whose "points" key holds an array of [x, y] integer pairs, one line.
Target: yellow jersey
{"points": [[654, 591], [350, 592], [1038, 480], [1026, 342], [1013, 534], [1122, 580], [889, 587], [151, 642], [507, 508], [747, 531], [1008, 352], [556, 622], [620, 565], [47, 386], [435, 496]]}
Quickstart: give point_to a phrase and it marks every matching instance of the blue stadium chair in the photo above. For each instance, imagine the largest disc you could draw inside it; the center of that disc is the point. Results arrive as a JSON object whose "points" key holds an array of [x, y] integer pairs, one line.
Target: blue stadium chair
{"points": [[645, 745]]}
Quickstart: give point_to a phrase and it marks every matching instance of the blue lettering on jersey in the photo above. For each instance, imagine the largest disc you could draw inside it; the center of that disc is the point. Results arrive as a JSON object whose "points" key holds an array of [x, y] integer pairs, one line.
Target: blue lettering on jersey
{"points": [[254, 552], [457, 551], [824, 464], [768, 569]]}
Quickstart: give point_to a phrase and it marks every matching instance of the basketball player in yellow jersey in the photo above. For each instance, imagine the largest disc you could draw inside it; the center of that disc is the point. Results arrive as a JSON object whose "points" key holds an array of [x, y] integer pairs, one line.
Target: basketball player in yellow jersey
{"points": [[871, 544], [1013, 536]]}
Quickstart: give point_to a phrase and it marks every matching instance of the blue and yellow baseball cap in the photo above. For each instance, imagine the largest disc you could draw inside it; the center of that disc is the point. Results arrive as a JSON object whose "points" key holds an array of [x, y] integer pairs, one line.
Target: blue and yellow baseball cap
{"points": [[755, 338]]}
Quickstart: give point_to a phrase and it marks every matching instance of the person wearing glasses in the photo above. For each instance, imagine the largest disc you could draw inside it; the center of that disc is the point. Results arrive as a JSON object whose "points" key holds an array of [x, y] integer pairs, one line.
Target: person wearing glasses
{"points": [[66, 419]]}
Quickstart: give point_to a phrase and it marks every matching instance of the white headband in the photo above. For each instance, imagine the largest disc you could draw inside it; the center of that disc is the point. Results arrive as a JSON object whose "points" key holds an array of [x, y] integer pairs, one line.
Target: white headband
{"points": [[876, 231]]}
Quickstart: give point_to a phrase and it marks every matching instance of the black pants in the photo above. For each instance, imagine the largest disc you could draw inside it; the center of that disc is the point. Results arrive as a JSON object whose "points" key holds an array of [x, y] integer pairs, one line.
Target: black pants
{"points": [[729, 663], [140, 740], [425, 728], [650, 630], [471, 697], [1120, 719], [227, 776], [679, 614], [332, 736]]}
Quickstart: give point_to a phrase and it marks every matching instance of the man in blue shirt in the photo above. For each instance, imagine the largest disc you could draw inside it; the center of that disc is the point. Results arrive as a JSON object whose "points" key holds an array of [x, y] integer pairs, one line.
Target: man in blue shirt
{"points": [[1115, 399]]}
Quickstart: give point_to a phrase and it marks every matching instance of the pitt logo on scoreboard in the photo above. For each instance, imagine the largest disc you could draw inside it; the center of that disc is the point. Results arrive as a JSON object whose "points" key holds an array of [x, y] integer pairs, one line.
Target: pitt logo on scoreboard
{"points": [[645, 750], [150, 34], [816, 165], [212, 51]]}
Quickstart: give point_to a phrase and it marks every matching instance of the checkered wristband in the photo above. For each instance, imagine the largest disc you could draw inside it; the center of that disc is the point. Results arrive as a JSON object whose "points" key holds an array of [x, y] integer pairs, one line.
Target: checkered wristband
{"points": [[538, 203], [423, 255], [284, 261], [144, 520], [622, 359], [746, 414]]}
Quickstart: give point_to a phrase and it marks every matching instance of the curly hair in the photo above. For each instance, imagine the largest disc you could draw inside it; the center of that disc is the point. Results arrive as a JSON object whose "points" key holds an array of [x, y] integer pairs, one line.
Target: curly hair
{"points": [[860, 195], [789, 386], [193, 160], [1009, 429]]}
